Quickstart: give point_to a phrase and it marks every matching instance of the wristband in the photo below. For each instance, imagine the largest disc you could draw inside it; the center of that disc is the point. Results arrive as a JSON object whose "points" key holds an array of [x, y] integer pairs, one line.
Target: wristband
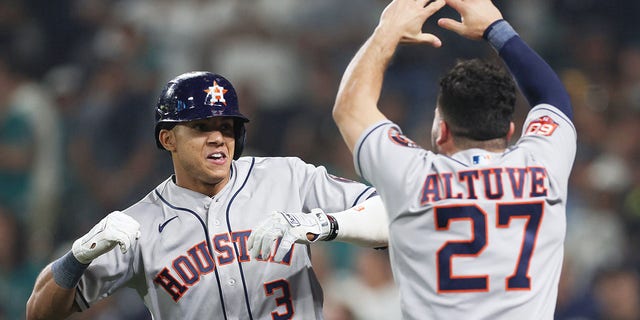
{"points": [[67, 270], [498, 33], [333, 229]]}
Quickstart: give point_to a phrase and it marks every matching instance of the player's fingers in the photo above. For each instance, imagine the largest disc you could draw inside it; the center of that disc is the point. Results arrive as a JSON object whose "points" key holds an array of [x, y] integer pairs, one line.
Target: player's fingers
{"points": [[455, 4], [423, 3], [434, 6], [427, 38], [268, 241], [124, 242], [451, 25], [285, 246], [254, 243], [123, 247], [251, 240], [254, 251], [126, 238]]}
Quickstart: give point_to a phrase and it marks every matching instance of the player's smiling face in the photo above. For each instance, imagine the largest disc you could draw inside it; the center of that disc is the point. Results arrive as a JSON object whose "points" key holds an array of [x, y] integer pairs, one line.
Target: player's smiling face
{"points": [[202, 154]]}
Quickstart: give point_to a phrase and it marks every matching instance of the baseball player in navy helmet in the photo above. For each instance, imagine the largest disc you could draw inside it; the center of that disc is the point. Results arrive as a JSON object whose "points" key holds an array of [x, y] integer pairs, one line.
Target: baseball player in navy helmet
{"points": [[185, 246]]}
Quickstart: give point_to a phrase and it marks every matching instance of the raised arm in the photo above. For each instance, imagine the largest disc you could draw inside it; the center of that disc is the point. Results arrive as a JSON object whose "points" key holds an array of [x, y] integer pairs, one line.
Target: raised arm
{"points": [[537, 81], [356, 107]]}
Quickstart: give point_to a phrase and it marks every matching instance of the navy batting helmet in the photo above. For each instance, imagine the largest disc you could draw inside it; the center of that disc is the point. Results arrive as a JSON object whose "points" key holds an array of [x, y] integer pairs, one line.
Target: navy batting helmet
{"points": [[199, 95]]}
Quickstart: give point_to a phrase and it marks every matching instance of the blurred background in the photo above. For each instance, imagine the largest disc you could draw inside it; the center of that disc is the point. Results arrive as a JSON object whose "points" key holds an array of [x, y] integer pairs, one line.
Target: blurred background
{"points": [[79, 80]]}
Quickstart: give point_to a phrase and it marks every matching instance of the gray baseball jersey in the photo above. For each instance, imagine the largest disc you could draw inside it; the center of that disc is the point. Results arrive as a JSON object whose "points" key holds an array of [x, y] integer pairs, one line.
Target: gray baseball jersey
{"points": [[192, 262], [478, 235]]}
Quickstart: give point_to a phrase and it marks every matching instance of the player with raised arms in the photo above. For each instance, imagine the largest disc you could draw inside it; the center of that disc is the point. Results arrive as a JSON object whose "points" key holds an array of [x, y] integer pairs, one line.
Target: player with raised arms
{"points": [[477, 229], [184, 247]]}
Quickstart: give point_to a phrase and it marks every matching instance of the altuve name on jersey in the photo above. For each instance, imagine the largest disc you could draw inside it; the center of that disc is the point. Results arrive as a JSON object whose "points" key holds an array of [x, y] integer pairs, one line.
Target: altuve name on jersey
{"points": [[186, 270], [487, 183]]}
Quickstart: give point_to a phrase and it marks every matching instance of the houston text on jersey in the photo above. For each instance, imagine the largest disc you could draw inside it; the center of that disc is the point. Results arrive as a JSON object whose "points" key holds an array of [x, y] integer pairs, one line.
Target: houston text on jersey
{"points": [[185, 270]]}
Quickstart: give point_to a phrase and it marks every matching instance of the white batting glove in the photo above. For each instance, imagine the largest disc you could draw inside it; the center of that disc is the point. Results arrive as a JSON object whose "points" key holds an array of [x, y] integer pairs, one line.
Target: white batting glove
{"points": [[292, 228], [116, 228]]}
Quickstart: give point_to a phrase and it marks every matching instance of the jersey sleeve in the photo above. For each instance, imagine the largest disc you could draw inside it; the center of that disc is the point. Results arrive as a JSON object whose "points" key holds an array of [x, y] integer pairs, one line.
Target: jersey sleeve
{"points": [[550, 136], [390, 161], [320, 189]]}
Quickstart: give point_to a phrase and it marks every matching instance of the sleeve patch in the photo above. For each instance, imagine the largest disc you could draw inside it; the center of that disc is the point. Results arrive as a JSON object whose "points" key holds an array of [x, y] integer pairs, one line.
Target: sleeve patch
{"points": [[398, 138], [543, 126]]}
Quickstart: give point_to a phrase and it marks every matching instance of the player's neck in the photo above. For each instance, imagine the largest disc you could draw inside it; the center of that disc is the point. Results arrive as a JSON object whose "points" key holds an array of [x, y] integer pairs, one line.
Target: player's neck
{"points": [[209, 188], [494, 145], [489, 147]]}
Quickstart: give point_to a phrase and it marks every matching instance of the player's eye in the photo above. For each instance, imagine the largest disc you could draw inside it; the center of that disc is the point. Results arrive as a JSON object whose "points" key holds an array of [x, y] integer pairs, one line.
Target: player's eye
{"points": [[202, 127], [226, 128]]}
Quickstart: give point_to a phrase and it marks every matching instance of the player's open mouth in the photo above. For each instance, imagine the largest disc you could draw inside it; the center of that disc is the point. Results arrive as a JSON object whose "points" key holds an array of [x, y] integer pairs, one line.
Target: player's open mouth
{"points": [[217, 157]]}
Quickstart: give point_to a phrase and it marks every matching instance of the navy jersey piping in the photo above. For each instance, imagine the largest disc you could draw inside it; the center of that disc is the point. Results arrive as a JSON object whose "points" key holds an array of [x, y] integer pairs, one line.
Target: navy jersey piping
{"points": [[456, 160], [235, 245], [209, 247], [84, 300], [361, 194], [362, 143]]}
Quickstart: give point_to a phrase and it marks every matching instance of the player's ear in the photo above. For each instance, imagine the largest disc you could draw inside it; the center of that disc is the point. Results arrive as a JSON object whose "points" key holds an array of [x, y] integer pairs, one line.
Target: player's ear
{"points": [[512, 129], [167, 139], [444, 133]]}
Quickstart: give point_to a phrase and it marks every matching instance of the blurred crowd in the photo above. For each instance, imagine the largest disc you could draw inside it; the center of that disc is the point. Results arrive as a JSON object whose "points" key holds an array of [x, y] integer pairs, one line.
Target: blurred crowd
{"points": [[79, 80]]}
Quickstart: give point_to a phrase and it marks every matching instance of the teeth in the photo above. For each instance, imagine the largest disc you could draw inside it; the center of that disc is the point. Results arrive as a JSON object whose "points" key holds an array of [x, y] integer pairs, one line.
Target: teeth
{"points": [[216, 155]]}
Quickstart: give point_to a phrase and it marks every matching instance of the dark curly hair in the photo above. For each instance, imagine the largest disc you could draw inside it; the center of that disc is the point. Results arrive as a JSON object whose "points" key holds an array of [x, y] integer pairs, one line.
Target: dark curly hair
{"points": [[477, 100]]}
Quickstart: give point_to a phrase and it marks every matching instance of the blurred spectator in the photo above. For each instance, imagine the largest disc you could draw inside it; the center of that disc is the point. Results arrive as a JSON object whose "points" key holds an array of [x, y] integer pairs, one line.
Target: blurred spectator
{"points": [[269, 65], [111, 150], [17, 273], [575, 302], [31, 147], [325, 269], [595, 225], [17, 144], [182, 31], [617, 292], [368, 291]]}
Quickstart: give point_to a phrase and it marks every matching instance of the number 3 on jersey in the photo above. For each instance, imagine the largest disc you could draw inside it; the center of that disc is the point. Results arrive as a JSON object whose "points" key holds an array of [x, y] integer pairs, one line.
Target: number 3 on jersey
{"points": [[519, 280], [282, 300]]}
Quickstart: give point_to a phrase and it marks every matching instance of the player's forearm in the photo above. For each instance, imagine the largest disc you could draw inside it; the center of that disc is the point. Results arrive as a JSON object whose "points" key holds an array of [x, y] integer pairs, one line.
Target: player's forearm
{"points": [[365, 224], [48, 300], [535, 78], [356, 103]]}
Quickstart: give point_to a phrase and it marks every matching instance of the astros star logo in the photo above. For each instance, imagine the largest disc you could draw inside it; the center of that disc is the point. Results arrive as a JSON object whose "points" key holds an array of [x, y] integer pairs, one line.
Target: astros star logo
{"points": [[216, 93]]}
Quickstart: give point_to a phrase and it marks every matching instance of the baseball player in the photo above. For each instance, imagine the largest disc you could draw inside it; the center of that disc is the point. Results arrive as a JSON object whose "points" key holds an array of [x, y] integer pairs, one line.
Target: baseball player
{"points": [[476, 230], [184, 246]]}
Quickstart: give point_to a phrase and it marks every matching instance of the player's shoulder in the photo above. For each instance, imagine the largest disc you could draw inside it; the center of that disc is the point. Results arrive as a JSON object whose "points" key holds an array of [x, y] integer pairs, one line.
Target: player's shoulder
{"points": [[547, 126], [544, 119], [150, 204]]}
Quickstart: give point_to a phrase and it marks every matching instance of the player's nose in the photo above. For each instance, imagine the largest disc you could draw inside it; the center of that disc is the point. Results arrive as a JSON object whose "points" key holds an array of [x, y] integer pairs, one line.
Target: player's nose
{"points": [[215, 137]]}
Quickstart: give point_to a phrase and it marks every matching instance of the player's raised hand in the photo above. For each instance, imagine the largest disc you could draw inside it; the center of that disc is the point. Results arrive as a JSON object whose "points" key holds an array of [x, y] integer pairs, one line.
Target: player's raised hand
{"points": [[404, 19], [116, 228], [475, 17], [292, 228]]}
